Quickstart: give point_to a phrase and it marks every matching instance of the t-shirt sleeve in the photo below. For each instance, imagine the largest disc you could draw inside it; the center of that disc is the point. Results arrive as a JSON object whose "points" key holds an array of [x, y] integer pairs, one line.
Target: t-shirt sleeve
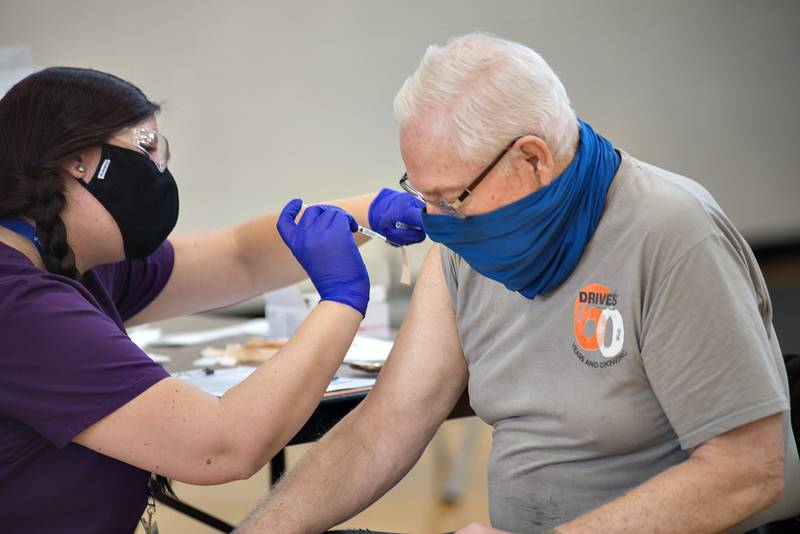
{"points": [[133, 284], [705, 347], [450, 270], [64, 365]]}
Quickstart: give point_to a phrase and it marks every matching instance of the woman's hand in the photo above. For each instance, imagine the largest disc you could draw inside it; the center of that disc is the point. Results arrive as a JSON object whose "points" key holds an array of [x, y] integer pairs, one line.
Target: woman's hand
{"points": [[391, 207], [322, 242]]}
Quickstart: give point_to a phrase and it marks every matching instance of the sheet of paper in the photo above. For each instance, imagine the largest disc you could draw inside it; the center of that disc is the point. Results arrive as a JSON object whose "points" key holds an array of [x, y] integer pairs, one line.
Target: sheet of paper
{"points": [[144, 335], [340, 383], [159, 358], [256, 327], [367, 349], [213, 361], [224, 379]]}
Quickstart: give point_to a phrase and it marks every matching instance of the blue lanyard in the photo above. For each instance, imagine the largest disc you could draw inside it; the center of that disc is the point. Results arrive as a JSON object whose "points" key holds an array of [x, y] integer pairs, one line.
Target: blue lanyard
{"points": [[25, 229]]}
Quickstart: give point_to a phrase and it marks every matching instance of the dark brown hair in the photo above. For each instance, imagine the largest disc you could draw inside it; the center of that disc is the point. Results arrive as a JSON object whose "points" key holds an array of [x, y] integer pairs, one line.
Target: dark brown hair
{"points": [[52, 114]]}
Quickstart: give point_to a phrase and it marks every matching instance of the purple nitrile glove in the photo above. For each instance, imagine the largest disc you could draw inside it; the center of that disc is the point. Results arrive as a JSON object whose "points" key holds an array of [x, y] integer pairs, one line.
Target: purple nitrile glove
{"points": [[322, 241], [391, 207]]}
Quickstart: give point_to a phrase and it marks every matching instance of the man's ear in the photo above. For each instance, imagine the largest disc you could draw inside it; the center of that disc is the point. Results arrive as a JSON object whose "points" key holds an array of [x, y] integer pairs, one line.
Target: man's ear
{"points": [[539, 157]]}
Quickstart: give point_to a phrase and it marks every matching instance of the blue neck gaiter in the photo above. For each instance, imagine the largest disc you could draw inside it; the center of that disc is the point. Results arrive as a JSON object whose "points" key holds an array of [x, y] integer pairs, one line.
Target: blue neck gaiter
{"points": [[533, 244]]}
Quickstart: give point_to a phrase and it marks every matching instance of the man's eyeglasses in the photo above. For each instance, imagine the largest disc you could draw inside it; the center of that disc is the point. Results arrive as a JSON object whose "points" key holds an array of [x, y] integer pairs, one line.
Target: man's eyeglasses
{"points": [[453, 208], [150, 143]]}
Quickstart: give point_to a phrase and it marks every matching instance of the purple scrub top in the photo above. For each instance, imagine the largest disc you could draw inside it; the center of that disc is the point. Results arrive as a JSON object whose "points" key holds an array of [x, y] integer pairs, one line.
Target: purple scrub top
{"points": [[65, 363]]}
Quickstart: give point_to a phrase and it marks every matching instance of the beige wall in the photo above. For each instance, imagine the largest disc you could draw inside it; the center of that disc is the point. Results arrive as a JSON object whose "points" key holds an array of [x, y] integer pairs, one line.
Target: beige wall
{"points": [[266, 100]]}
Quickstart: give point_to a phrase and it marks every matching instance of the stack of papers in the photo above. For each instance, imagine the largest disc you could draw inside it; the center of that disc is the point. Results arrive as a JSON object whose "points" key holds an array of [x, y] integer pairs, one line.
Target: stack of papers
{"points": [[367, 349], [221, 380], [256, 327]]}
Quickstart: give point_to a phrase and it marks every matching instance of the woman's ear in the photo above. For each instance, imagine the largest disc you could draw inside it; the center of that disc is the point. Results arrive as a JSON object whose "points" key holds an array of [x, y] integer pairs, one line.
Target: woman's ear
{"points": [[75, 166], [82, 165]]}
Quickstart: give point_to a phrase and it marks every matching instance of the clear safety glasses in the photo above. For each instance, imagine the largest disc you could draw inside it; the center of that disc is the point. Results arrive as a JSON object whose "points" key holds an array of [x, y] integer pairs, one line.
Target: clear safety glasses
{"points": [[151, 143]]}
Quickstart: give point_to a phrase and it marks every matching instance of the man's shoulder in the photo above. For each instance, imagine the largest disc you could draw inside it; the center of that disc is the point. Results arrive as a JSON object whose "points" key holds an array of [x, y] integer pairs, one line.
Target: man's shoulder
{"points": [[669, 183], [665, 205]]}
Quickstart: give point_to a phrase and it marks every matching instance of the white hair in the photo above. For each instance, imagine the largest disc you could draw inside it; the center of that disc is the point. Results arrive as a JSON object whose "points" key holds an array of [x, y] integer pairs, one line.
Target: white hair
{"points": [[492, 91]]}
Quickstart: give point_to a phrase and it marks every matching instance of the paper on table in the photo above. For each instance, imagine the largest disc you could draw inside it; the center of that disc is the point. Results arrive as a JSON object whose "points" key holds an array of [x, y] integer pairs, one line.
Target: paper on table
{"points": [[256, 327], [212, 361], [159, 358], [363, 349], [144, 335], [224, 379], [368, 349]]}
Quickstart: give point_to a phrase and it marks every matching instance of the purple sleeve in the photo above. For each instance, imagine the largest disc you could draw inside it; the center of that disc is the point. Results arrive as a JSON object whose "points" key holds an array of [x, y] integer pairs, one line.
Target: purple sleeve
{"points": [[64, 365], [133, 284]]}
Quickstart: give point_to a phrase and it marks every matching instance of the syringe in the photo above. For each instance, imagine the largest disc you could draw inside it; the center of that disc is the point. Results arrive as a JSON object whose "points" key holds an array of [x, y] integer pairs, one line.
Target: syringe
{"points": [[368, 232]]}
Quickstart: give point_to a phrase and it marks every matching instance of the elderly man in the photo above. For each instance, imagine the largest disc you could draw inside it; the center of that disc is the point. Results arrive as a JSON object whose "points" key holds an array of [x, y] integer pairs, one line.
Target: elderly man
{"points": [[611, 323]]}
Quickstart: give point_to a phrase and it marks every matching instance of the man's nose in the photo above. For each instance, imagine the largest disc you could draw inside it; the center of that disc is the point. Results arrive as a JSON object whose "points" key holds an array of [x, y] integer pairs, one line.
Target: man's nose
{"points": [[433, 209]]}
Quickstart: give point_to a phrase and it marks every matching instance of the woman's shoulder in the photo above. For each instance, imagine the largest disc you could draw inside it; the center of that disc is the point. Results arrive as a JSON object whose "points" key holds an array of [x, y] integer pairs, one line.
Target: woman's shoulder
{"points": [[28, 293]]}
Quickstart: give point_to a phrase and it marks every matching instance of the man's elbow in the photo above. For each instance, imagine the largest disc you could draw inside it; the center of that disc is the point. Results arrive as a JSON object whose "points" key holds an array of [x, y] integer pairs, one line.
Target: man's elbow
{"points": [[771, 482], [761, 483]]}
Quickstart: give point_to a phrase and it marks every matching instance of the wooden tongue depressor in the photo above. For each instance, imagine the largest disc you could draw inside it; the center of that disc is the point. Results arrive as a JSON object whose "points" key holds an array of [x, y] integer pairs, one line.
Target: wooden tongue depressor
{"points": [[405, 276]]}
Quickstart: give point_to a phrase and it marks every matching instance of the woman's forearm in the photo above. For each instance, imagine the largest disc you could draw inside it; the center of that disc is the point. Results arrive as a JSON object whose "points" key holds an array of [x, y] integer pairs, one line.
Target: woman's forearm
{"points": [[179, 431], [266, 410], [264, 258]]}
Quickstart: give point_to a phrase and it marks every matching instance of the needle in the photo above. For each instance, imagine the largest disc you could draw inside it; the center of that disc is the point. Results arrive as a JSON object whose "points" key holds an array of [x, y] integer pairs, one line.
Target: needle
{"points": [[370, 233]]}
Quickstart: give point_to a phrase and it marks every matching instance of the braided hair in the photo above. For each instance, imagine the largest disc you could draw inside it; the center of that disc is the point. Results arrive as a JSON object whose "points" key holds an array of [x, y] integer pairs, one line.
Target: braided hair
{"points": [[45, 118]]}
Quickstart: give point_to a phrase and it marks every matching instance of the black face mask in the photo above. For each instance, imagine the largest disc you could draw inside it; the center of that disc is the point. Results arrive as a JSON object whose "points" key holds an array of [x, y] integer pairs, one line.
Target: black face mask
{"points": [[142, 200]]}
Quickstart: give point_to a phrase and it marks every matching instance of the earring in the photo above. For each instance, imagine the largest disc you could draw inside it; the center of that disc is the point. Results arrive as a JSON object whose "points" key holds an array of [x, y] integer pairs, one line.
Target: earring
{"points": [[81, 168]]}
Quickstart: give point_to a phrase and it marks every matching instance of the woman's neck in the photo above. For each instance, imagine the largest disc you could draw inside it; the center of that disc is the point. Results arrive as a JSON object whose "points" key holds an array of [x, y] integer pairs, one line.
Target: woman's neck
{"points": [[22, 245]]}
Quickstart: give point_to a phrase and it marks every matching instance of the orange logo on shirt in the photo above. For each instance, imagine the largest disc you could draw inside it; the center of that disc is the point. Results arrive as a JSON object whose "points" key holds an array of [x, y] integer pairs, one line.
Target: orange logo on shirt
{"points": [[595, 308]]}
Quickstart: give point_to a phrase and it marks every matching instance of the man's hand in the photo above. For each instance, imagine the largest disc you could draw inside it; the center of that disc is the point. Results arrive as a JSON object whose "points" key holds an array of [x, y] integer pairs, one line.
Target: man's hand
{"points": [[479, 528]]}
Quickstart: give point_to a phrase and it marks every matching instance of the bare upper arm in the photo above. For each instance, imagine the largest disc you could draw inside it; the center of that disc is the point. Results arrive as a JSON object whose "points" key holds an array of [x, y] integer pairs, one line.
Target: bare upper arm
{"points": [[173, 429], [425, 373], [220, 267], [207, 274], [756, 447]]}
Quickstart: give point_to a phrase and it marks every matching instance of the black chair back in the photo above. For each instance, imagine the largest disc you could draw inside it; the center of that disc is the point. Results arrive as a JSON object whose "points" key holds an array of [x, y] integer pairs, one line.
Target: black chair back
{"points": [[792, 362]]}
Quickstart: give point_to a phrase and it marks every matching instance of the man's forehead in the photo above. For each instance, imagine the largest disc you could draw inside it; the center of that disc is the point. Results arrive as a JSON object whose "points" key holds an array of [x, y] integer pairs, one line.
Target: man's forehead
{"points": [[430, 156], [426, 130]]}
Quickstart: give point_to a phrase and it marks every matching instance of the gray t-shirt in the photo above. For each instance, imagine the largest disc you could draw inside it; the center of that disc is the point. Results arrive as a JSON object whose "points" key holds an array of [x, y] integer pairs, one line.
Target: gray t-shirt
{"points": [[659, 340]]}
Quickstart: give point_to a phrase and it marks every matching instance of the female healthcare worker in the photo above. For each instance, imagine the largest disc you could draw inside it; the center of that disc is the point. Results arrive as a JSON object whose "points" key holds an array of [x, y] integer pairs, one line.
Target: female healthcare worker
{"points": [[86, 203]]}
